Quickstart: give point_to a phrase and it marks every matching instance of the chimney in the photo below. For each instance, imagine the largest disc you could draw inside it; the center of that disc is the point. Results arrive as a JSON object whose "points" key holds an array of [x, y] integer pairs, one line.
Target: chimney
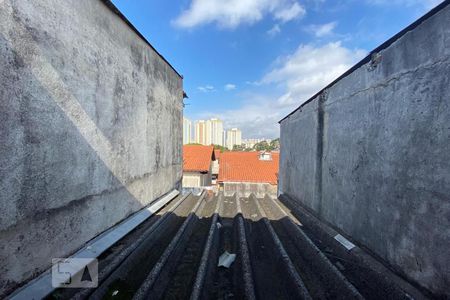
{"points": [[263, 155]]}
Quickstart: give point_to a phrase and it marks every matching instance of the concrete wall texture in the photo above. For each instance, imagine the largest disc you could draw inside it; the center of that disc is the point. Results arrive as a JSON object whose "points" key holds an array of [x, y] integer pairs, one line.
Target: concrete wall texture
{"points": [[90, 129], [371, 154], [196, 179], [245, 189]]}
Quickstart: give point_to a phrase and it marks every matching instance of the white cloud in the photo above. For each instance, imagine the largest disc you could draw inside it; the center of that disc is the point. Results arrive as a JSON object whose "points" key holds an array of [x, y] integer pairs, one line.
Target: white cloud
{"points": [[309, 69], [232, 13], [292, 80], [206, 88], [321, 30], [274, 30], [229, 87], [290, 13], [256, 117], [254, 83]]}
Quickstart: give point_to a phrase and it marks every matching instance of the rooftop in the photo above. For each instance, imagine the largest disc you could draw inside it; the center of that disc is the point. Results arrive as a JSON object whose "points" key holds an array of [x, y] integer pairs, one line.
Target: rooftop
{"points": [[197, 158], [248, 167]]}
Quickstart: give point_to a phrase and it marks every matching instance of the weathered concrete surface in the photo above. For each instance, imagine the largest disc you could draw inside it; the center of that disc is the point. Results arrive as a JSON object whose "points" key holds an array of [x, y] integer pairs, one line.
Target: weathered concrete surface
{"points": [[371, 154], [90, 129], [245, 189], [196, 179]]}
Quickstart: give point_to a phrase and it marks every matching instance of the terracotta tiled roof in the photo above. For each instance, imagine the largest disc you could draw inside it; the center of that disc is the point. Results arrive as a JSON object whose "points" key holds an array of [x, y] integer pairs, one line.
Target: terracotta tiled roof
{"points": [[247, 167], [197, 158]]}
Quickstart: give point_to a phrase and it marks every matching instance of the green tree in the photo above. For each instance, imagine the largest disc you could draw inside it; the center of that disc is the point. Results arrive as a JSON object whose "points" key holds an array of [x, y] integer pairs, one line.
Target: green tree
{"points": [[275, 144], [238, 148], [262, 146], [221, 148], [265, 146]]}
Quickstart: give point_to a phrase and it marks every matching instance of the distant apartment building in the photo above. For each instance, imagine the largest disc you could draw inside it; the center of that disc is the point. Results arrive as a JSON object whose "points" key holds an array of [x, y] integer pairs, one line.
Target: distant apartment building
{"points": [[224, 138], [250, 143], [187, 131], [209, 132], [200, 132], [208, 139], [216, 132], [234, 137], [245, 173], [197, 165]]}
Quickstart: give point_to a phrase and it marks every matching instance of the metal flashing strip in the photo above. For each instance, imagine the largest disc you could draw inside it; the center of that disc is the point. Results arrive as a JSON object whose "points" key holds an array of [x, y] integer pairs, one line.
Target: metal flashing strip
{"points": [[344, 242], [41, 286]]}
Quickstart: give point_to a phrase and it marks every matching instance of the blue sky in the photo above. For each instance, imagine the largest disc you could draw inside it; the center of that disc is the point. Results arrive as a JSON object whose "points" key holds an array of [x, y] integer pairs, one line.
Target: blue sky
{"points": [[250, 62]]}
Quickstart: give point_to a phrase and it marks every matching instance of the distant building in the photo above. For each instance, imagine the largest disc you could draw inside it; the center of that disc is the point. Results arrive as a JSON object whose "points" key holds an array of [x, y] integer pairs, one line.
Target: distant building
{"points": [[208, 140], [200, 132], [209, 132], [197, 165], [248, 172], [250, 143], [216, 132], [187, 131], [234, 137], [224, 138]]}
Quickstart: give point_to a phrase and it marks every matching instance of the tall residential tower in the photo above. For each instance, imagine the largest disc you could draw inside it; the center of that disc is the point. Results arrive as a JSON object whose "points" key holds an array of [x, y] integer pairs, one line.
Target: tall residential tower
{"points": [[187, 131], [216, 132], [234, 137], [209, 132], [200, 132]]}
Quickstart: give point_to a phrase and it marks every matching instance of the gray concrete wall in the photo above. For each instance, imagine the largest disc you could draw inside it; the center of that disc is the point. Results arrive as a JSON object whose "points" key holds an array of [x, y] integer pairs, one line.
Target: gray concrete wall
{"points": [[90, 129], [196, 179], [371, 155]]}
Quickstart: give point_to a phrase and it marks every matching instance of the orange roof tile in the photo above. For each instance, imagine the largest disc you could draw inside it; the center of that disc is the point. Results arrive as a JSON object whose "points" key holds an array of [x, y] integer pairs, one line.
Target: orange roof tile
{"points": [[247, 167], [197, 158]]}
